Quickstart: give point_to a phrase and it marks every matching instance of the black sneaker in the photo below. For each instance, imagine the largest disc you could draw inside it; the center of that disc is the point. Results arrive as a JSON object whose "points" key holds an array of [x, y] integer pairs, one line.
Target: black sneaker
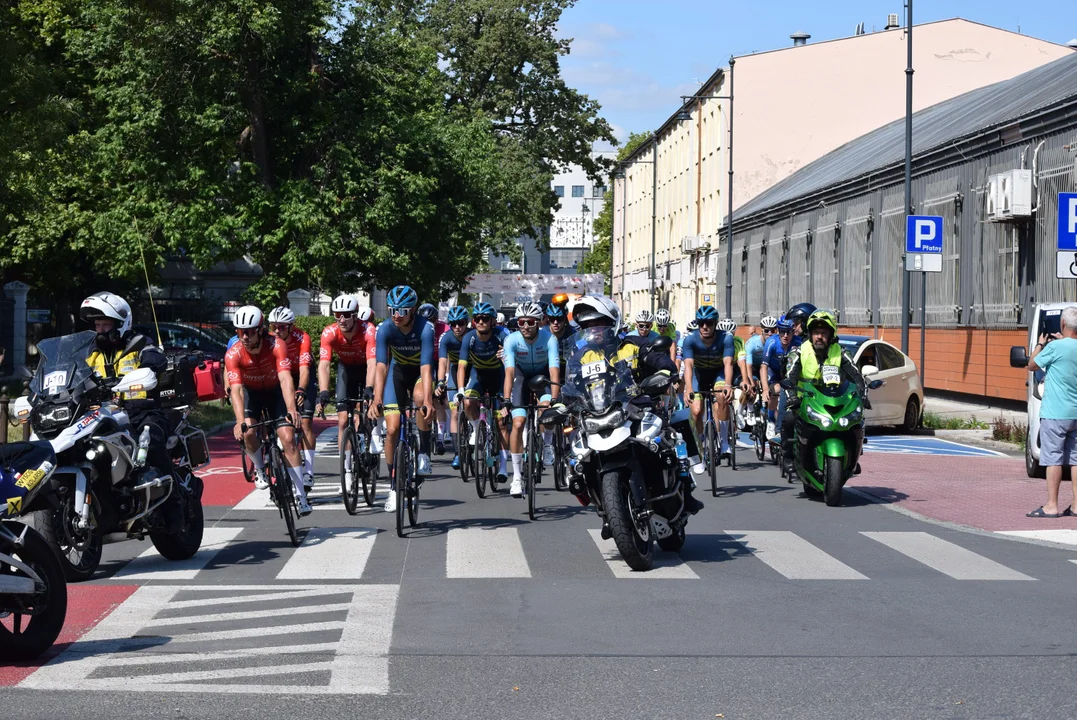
{"points": [[439, 448]]}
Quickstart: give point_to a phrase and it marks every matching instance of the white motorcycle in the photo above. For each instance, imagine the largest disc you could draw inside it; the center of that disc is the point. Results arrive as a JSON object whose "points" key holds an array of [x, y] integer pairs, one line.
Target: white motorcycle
{"points": [[102, 484]]}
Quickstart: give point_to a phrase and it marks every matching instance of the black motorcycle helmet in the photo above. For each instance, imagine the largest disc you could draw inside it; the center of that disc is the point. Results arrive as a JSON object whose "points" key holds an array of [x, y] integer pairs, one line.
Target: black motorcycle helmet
{"points": [[799, 314]]}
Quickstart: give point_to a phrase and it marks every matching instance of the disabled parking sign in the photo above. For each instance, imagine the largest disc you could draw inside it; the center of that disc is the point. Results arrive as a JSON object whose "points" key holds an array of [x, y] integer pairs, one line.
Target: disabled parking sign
{"points": [[1066, 267], [923, 243]]}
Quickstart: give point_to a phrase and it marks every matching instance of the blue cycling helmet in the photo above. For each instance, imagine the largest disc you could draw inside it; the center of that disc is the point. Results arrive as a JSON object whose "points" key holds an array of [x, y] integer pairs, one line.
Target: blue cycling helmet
{"points": [[458, 313], [484, 308], [785, 323], [706, 312], [428, 311], [402, 296], [553, 311]]}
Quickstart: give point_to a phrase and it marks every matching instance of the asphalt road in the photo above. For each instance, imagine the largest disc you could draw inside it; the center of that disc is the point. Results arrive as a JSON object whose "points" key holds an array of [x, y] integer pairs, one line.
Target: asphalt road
{"points": [[777, 606]]}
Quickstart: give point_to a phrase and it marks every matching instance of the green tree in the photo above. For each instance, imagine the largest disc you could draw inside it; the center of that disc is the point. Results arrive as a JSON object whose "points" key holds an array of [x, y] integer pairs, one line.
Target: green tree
{"points": [[598, 258]]}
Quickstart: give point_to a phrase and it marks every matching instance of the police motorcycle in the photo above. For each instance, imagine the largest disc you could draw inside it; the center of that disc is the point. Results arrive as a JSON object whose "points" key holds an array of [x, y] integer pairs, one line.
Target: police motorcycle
{"points": [[623, 454], [101, 484], [33, 593]]}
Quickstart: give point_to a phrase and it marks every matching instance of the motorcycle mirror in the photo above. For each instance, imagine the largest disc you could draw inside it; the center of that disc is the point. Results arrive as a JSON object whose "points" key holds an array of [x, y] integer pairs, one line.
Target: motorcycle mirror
{"points": [[26, 372], [869, 370], [1018, 356], [538, 384], [137, 381], [551, 415], [662, 345], [876, 384], [655, 384]]}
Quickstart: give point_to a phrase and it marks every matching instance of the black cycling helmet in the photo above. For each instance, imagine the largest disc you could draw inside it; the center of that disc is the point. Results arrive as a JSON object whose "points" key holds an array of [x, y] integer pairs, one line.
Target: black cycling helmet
{"points": [[800, 313]]}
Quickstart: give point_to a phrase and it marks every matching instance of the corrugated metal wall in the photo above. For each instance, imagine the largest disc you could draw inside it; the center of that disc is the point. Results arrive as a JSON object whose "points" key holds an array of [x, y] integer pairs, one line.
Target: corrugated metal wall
{"points": [[848, 256]]}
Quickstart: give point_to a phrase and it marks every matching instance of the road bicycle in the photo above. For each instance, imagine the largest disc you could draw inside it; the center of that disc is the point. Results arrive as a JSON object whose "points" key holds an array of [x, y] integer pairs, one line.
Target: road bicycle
{"points": [[281, 489], [405, 465], [487, 444], [366, 465]]}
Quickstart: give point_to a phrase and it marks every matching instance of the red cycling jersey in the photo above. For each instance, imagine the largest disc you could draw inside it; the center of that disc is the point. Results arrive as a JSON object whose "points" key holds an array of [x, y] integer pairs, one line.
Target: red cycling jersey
{"points": [[257, 372], [298, 344], [361, 348], [440, 328]]}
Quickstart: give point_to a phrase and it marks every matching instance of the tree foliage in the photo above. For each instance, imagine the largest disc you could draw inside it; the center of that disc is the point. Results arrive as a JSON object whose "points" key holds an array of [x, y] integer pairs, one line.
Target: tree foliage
{"points": [[338, 144]]}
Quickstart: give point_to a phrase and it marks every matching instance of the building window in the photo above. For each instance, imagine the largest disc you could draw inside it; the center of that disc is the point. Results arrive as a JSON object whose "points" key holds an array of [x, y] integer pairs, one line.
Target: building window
{"points": [[559, 190], [600, 190], [577, 191], [564, 259]]}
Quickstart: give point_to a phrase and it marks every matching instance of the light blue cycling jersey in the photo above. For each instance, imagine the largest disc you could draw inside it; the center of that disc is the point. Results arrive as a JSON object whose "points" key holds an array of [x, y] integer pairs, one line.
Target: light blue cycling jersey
{"points": [[651, 335], [533, 358], [754, 349]]}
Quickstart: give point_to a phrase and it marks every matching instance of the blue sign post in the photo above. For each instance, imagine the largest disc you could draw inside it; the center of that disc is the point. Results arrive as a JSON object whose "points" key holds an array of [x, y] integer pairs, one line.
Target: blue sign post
{"points": [[1067, 236], [923, 243]]}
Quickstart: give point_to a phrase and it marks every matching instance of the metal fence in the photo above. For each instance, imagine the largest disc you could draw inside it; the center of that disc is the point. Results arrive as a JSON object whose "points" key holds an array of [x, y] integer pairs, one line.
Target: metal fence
{"points": [[847, 255]]}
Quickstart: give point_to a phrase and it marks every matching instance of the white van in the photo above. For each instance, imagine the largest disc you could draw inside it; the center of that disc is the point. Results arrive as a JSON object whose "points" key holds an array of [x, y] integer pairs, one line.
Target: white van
{"points": [[1045, 319]]}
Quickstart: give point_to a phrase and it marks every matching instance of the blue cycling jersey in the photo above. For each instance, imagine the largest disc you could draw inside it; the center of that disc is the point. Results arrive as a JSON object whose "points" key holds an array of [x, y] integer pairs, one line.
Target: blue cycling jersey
{"points": [[533, 358], [481, 354], [449, 348], [754, 349], [412, 349], [708, 358], [774, 358], [651, 335]]}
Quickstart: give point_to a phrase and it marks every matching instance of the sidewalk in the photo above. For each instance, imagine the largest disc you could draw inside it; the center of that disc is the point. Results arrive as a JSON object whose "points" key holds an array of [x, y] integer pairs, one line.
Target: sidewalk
{"points": [[991, 494], [983, 410]]}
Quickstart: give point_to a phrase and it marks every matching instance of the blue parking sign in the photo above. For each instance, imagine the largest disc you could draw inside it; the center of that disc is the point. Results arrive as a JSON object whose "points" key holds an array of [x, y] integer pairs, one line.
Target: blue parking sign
{"points": [[923, 234], [1067, 221]]}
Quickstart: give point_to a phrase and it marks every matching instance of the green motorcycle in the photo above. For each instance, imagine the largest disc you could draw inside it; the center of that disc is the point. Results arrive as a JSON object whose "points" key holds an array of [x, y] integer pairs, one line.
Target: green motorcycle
{"points": [[829, 434]]}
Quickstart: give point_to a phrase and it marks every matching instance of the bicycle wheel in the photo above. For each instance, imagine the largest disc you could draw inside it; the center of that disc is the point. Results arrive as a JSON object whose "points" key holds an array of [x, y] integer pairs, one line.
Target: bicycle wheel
{"points": [[731, 427], [534, 465], [493, 450], [479, 455], [368, 463], [348, 489], [710, 442], [248, 466], [412, 488], [400, 475], [282, 487]]}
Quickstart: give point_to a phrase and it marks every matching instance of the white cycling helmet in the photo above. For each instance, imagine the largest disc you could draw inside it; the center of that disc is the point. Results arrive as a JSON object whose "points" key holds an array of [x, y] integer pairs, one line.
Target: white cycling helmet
{"points": [[529, 309], [107, 305], [281, 315], [247, 317], [644, 316], [501, 318], [345, 304], [596, 310], [727, 325], [366, 314], [769, 322], [692, 326], [661, 317]]}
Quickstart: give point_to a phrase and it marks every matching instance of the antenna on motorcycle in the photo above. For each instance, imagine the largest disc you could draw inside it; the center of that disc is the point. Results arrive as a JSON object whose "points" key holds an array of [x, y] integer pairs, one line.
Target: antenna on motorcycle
{"points": [[149, 290]]}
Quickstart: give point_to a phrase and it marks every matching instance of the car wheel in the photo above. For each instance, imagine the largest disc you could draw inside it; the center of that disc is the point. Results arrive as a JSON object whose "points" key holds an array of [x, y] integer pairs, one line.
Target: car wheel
{"points": [[1032, 466], [912, 415]]}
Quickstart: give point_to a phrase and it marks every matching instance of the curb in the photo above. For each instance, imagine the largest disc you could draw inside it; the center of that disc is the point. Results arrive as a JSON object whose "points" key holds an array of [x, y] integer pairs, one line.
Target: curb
{"points": [[956, 526]]}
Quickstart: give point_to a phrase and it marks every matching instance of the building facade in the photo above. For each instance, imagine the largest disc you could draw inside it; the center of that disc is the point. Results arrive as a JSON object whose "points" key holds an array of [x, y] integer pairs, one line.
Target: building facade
{"points": [[791, 107]]}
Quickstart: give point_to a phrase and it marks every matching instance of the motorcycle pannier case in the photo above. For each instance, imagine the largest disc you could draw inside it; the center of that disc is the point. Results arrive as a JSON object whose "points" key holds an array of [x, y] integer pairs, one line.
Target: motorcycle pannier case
{"points": [[176, 385]]}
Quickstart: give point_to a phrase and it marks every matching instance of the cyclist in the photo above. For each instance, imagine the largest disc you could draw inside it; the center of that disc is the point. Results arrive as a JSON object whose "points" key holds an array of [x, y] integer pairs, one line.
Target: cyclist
{"points": [[260, 376], [448, 359], [353, 340], [529, 351], [481, 350], [282, 325], [798, 315], [557, 323], [644, 323], [757, 343], [405, 361], [772, 373], [709, 362], [501, 330], [689, 329], [742, 386], [429, 311]]}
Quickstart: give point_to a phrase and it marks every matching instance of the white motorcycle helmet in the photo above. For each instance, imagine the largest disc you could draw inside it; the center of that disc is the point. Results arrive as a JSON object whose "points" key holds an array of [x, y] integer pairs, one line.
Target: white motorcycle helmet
{"points": [[591, 310], [108, 305]]}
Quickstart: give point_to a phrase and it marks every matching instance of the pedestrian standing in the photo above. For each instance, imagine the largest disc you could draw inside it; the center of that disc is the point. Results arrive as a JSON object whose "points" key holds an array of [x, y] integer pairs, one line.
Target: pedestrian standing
{"points": [[1056, 355]]}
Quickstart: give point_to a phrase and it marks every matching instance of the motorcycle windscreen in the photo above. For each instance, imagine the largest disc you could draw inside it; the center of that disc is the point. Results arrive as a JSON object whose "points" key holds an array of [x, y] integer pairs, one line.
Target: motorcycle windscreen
{"points": [[596, 374], [63, 364]]}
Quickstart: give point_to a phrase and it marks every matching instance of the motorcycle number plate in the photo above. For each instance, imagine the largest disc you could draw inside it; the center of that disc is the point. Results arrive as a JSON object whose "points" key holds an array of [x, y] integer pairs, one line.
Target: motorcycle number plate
{"points": [[55, 380], [592, 369], [831, 375]]}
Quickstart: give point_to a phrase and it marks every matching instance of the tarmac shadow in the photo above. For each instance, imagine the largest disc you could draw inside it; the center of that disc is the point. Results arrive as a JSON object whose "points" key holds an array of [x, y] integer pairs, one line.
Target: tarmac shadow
{"points": [[878, 495], [728, 491]]}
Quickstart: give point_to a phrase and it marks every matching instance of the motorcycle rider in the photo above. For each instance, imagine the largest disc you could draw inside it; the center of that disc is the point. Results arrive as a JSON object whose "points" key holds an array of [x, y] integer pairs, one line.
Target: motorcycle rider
{"points": [[118, 351], [798, 315], [815, 361]]}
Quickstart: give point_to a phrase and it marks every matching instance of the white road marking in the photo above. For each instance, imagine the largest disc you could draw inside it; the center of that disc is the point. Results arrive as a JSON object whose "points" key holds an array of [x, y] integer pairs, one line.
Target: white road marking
{"points": [[945, 556], [151, 566], [485, 553], [1063, 536], [254, 598], [667, 566], [331, 554], [359, 662], [793, 556], [246, 615]]}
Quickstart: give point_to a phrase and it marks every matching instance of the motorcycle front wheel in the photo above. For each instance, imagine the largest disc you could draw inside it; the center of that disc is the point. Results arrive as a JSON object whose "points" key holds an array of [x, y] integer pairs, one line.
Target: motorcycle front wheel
{"points": [[79, 551], [185, 543], [26, 635], [634, 540], [832, 471]]}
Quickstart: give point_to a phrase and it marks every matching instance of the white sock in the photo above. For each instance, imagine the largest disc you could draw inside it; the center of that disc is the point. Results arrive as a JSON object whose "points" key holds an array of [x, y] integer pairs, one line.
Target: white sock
{"points": [[517, 465], [256, 459], [309, 455], [723, 433], [297, 483], [441, 429]]}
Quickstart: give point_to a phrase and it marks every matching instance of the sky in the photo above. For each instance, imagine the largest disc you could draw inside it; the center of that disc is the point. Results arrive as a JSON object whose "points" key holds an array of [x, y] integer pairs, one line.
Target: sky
{"points": [[637, 57]]}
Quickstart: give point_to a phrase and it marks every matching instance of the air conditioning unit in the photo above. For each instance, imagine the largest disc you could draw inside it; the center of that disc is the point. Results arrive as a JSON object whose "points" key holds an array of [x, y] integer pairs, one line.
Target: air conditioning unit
{"points": [[893, 20], [1009, 195], [691, 244]]}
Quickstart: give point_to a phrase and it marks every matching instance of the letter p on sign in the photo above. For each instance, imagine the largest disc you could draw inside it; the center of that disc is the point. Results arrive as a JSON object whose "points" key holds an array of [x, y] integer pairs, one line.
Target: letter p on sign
{"points": [[925, 233]]}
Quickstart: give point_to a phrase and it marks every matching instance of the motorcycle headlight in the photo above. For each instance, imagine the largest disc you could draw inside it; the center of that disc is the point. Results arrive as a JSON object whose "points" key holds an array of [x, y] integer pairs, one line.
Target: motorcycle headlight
{"points": [[605, 423], [46, 418], [821, 418]]}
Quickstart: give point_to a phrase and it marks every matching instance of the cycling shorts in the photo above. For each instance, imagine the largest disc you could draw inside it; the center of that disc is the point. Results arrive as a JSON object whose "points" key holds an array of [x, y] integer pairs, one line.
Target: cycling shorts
{"points": [[351, 380], [264, 404], [400, 380], [307, 411], [522, 395], [481, 383]]}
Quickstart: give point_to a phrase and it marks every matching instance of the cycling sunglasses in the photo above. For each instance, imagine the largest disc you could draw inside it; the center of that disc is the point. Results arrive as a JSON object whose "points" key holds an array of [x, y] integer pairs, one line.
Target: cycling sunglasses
{"points": [[527, 322], [644, 325], [246, 332], [400, 312], [280, 327], [483, 318], [706, 323], [344, 316], [785, 331], [459, 323]]}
